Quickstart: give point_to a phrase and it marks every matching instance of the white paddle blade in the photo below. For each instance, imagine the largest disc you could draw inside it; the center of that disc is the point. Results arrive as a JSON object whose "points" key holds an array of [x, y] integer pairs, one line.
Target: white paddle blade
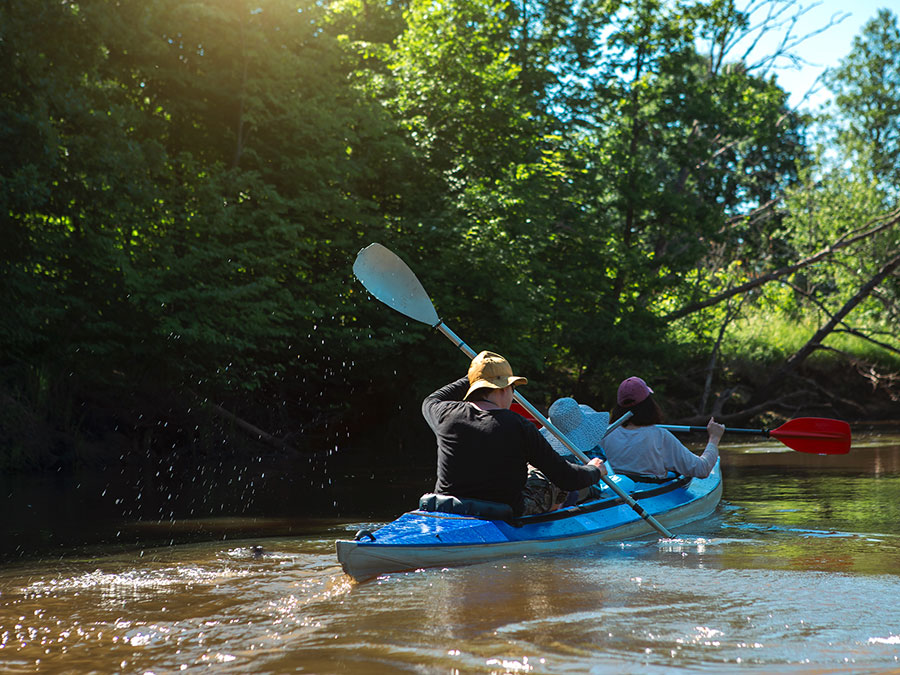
{"points": [[390, 280]]}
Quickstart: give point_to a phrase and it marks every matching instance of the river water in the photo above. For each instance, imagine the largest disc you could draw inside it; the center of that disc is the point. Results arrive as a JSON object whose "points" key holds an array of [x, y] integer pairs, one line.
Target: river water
{"points": [[798, 571]]}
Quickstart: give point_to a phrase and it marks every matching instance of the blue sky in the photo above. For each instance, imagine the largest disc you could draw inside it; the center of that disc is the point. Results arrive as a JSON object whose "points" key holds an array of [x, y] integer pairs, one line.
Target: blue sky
{"points": [[828, 47]]}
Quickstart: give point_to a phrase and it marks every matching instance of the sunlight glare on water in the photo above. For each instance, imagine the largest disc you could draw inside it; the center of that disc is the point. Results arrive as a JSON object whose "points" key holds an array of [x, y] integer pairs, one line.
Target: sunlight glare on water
{"points": [[798, 571]]}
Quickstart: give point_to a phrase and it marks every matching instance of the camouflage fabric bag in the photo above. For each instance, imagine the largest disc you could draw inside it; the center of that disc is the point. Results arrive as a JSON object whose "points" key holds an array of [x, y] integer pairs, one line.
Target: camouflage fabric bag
{"points": [[539, 494]]}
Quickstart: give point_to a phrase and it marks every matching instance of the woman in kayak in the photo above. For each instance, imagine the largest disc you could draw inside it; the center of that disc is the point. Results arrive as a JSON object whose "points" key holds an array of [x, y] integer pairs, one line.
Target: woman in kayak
{"points": [[486, 451], [639, 447]]}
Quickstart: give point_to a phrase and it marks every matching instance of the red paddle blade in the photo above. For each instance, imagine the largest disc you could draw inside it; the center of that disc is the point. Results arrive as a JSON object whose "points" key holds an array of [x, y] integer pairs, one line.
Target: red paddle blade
{"points": [[816, 435], [519, 408]]}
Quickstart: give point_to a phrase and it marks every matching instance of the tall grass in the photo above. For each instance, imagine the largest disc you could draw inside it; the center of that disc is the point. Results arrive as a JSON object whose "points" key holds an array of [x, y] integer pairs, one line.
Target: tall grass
{"points": [[770, 339]]}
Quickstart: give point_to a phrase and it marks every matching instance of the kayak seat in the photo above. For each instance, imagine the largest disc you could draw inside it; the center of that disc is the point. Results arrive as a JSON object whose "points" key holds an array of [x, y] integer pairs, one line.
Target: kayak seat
{"points": [[479, 508]]}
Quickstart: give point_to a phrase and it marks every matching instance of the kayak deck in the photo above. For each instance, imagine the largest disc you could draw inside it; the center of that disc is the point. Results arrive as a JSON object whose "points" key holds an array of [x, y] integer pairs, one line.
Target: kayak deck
{"points": [[419, 539]]}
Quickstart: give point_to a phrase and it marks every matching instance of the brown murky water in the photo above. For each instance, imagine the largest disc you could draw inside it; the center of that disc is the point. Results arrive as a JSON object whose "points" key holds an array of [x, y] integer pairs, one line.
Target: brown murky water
{"points": [[798, 571]]}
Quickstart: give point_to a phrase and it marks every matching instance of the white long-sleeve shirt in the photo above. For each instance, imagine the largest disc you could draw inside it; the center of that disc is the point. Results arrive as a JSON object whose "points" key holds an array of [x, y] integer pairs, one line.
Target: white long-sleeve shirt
{"points": [[651, 451]]}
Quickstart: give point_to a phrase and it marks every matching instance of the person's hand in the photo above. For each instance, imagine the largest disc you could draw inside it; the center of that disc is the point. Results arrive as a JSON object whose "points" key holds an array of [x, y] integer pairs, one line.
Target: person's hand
{"points": [[716, 431], [600, 464]]}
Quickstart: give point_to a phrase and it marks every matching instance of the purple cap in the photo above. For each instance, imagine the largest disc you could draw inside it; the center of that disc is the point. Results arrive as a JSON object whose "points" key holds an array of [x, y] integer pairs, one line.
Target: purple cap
{"points": [[632, 391]]}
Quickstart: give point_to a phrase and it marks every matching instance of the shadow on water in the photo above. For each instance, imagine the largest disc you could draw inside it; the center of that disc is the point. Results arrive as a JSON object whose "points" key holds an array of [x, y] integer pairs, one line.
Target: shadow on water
{"points": [[163, 502]]}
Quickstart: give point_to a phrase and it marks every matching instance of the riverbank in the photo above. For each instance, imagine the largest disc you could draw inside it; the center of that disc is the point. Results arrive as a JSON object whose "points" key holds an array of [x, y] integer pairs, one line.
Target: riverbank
{"points": [[115, 428]]}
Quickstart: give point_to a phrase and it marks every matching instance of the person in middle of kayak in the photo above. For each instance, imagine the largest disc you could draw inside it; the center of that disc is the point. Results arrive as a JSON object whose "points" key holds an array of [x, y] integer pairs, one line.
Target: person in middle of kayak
{"points": [[487, 451], [582, 426], [639, 447]]}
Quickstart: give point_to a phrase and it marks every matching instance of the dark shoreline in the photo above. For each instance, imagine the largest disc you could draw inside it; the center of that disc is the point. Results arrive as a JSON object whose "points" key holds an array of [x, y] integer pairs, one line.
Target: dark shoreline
{"points": [[119, 429]]}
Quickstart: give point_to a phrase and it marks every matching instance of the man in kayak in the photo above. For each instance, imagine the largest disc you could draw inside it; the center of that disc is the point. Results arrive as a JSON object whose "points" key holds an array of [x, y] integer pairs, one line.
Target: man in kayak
{"points": [[486, 451]]}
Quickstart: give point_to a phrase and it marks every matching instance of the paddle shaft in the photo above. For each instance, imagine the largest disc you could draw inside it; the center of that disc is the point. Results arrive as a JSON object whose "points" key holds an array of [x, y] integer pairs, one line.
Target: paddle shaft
{"points": [[619, 422], [390, 280], [815, 435], [730, 430], [468, 351]]}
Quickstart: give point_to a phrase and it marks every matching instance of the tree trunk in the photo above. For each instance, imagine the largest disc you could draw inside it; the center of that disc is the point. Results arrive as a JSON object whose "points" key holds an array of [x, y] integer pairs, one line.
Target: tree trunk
{"points": [[816, 340]]}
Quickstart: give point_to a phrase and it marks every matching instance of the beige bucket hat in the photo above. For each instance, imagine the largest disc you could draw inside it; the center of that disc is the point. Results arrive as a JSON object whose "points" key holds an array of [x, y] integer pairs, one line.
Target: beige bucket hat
{"points": [[491, 370]]}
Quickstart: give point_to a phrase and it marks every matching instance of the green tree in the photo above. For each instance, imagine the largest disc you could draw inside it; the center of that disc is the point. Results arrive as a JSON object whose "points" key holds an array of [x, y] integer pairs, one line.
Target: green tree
{"points": [[621, 162], [849, 190], [866, 85], [681, 149], [193, 177], [77, 176]]}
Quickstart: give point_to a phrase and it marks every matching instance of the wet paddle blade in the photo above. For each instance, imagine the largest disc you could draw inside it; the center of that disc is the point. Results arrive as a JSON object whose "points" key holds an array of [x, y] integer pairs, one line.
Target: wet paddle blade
{"points": [[816, 435], [390, 280]]}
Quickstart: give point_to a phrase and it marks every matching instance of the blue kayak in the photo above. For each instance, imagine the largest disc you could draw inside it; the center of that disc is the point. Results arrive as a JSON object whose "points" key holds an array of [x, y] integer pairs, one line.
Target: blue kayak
{"points": [[428, 538]]}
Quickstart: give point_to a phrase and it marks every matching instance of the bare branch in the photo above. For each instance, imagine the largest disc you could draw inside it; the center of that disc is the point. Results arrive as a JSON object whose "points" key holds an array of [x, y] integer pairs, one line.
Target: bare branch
{"points": [[778, 19], [831, 395], [849, 330], [730, 315], [815, 341], [888, 302], [847, 239], [253, 431], [747, 413], [862, 336], [756, 213]]}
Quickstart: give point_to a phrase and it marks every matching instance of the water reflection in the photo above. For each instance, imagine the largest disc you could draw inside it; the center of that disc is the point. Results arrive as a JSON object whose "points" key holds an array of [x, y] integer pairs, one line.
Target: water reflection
{"points": [[798, 570], [153, 503]]}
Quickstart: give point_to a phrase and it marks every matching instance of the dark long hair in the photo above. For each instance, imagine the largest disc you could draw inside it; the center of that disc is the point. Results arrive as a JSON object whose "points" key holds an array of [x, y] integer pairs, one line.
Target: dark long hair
{"points": [[644, 414]]}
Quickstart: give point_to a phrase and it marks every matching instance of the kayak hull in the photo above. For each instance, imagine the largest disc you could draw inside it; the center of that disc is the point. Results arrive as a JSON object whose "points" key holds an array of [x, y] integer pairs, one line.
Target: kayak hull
{"points": [[420, 539]]}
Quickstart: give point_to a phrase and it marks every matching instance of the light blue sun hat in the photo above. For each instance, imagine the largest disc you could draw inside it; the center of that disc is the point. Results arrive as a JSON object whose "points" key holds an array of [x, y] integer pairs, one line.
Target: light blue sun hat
{"points": [[580, 423]]}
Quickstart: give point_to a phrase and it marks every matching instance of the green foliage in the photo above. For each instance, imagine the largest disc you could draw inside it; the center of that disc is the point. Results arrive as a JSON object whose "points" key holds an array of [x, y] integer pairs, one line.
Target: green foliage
{"points": [[185, 187], [767, 340], [192, 180], [849, 189], [866, 86]]}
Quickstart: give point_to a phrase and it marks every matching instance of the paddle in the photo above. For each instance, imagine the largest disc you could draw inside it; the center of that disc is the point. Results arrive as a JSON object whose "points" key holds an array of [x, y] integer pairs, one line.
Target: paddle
{"points": [[390, 280], [816, 435]]}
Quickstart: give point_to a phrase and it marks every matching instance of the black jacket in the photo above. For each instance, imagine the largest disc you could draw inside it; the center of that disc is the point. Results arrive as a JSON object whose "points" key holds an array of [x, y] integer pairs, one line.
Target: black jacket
{"points": [[483, 454]]}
